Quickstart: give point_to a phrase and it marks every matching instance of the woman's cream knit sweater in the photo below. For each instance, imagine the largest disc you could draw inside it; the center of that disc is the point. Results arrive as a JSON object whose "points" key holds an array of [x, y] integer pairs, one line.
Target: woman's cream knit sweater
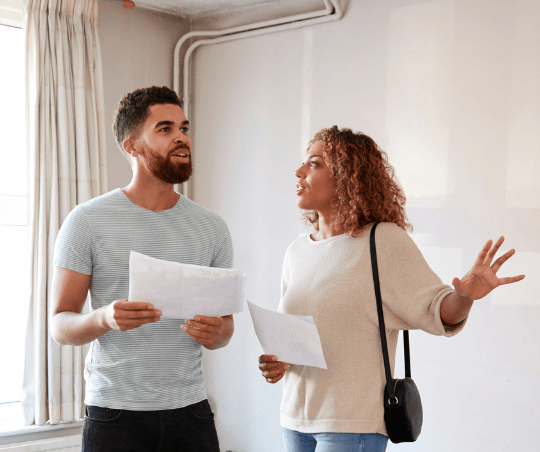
{"points": [[331, 280]]}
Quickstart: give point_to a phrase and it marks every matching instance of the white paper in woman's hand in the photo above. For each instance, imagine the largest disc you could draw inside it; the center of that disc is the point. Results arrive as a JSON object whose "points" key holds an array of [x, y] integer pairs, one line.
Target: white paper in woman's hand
{"points": [[294, 339]]}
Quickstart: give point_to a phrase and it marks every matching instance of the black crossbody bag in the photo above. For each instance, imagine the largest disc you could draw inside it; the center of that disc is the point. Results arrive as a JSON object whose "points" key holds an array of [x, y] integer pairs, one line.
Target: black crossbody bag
{"points": [[402, 405]]}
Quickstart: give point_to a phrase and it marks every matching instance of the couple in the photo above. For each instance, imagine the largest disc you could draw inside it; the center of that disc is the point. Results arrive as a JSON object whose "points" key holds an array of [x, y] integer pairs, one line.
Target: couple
{"points": [[144, 381]]}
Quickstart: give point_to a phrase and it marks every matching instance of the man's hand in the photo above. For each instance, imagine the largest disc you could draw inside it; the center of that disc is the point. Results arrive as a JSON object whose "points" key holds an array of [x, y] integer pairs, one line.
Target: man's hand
{"points": [[272, 369], [212, 332], [69, 326], [124, 315]]}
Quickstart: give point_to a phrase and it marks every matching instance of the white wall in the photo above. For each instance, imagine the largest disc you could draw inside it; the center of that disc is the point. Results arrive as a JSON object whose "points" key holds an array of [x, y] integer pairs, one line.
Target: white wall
{"points": [[450, 90], [137, 49]]}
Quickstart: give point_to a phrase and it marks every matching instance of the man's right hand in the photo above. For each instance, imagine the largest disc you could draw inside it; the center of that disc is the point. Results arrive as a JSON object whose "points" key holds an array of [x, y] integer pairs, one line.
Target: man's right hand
{"points": [[124, 315], [69, 326]]}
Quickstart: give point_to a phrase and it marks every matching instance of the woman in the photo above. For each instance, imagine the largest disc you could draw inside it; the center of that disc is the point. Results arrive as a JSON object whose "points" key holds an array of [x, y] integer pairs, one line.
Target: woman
{"points": [[345, 185]]}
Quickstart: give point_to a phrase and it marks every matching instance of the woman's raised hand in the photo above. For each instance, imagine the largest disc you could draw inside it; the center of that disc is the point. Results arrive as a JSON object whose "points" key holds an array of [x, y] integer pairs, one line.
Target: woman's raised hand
{"points": [[272, 369], [482, 277]]}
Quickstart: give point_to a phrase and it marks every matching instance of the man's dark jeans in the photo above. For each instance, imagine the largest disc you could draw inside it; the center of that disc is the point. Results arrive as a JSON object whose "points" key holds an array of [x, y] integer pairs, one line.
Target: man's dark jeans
{"points": [[189, 429]]}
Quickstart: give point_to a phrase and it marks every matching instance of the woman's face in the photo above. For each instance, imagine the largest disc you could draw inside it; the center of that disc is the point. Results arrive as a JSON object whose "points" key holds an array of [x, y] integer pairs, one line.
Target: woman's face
{"points": [[315, 187]]}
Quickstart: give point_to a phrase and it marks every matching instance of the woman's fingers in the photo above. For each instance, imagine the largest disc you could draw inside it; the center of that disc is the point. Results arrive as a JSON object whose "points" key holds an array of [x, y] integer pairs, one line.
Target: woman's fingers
{"points": [[276, 379], [510, 279], [274, 373], [487, 253], [482, 278], [272, 369], [480, 260], [273, 376], [267, 358], [269, 364], [501, 260], [493, 250]]}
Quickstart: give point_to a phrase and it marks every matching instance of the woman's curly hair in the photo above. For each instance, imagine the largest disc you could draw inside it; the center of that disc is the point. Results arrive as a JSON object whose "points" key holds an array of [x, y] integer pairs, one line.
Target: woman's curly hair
{"points": [[366, 187]]}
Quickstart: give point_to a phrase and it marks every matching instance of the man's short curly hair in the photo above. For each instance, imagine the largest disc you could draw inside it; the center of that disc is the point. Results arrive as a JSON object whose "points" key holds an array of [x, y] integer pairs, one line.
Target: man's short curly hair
{"points": [[367, 190], [133, 110]]}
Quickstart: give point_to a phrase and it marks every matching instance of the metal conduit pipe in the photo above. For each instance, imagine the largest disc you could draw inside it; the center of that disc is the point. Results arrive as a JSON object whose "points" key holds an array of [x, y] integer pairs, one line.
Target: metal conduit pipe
{"points": [[332, 12], [327, 11]]}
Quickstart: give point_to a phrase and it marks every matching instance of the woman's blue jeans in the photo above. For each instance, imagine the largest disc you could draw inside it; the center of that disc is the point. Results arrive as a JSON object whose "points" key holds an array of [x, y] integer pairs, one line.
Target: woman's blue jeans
{"points": [[333, 442]]}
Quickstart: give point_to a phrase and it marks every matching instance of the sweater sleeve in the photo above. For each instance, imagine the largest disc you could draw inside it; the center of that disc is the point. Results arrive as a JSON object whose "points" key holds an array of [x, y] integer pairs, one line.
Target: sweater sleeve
{"points": [[284, 278], [411, 291]]}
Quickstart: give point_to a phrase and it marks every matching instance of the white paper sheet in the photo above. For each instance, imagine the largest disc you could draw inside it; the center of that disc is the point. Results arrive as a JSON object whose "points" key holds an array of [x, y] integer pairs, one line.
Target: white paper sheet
{"points": [[182, 291], [294, 339]]}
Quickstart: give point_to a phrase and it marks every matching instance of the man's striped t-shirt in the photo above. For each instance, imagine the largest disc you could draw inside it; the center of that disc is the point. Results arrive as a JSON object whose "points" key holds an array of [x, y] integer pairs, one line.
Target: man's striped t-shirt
{"points": [[156, 366]]}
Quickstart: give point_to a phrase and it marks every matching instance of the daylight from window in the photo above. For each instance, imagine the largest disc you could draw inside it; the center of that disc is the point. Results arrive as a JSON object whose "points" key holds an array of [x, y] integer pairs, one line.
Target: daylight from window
{"points": [[14, 270]]}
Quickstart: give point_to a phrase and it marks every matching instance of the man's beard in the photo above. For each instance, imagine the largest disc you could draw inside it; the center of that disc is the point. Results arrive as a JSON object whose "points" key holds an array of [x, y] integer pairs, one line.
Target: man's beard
{"points": [[164, 169]]}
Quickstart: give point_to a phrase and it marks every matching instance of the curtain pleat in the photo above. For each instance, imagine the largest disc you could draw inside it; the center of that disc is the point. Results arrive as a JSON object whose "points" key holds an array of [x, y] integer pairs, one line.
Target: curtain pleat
{"points": [[67, 166]]}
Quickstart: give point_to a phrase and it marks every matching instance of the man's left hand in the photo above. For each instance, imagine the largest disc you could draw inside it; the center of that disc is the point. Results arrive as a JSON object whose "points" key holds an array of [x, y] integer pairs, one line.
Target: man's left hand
{"points": [[204, 329]]}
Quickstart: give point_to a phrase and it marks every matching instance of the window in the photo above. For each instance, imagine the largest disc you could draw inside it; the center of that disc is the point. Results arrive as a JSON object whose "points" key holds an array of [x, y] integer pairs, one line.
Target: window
{"points": [[14, 269]]}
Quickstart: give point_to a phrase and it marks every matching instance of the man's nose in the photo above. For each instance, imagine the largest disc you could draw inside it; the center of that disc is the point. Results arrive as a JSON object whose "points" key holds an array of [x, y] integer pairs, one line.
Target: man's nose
{"points": [[181, 138]]}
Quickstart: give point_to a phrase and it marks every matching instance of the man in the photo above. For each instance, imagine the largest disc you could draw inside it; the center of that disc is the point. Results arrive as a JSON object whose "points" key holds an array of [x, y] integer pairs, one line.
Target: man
{"points": [[145, 386]]}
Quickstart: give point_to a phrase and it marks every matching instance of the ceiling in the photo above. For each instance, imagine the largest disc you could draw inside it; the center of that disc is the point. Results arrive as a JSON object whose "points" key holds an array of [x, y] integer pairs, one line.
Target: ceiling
{"points": [[201, 8]]}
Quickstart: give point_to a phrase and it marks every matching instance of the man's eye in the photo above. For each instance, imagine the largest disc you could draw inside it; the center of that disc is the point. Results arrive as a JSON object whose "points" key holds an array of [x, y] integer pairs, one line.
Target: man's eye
{"points": [[164, 129], [185, 129]]}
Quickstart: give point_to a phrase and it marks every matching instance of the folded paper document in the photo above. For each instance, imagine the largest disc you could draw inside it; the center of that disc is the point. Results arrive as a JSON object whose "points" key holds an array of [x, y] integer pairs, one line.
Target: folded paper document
{"points": [[182, 291], [294, 339]]}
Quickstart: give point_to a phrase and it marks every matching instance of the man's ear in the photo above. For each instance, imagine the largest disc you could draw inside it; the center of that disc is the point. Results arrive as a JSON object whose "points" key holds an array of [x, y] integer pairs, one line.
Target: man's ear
{"points": [[130, 146]]}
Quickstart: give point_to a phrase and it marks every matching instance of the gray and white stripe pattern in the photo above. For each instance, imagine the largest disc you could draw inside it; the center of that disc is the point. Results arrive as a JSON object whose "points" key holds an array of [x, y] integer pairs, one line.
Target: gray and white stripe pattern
{"points": [[156, 366]]}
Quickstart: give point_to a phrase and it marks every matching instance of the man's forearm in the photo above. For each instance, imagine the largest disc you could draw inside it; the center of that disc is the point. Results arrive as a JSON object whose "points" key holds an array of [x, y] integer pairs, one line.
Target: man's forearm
{"points": [[223, 339], [455, 308], [72, 328]]}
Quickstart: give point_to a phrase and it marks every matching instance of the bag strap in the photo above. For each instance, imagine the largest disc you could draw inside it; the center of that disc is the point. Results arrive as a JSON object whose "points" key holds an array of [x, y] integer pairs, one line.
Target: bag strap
{"points": [[382, 330]]}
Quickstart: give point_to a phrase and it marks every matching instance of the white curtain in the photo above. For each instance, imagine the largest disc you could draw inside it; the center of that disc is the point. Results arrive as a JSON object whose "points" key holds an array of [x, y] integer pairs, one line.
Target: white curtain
{"points": [[67, 166]]}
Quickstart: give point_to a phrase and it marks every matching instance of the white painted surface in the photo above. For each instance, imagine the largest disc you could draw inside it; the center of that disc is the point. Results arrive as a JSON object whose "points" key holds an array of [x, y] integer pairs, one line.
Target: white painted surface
{"points": [[64, 444], [449, 90], [11, 13], [194, 9]]}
